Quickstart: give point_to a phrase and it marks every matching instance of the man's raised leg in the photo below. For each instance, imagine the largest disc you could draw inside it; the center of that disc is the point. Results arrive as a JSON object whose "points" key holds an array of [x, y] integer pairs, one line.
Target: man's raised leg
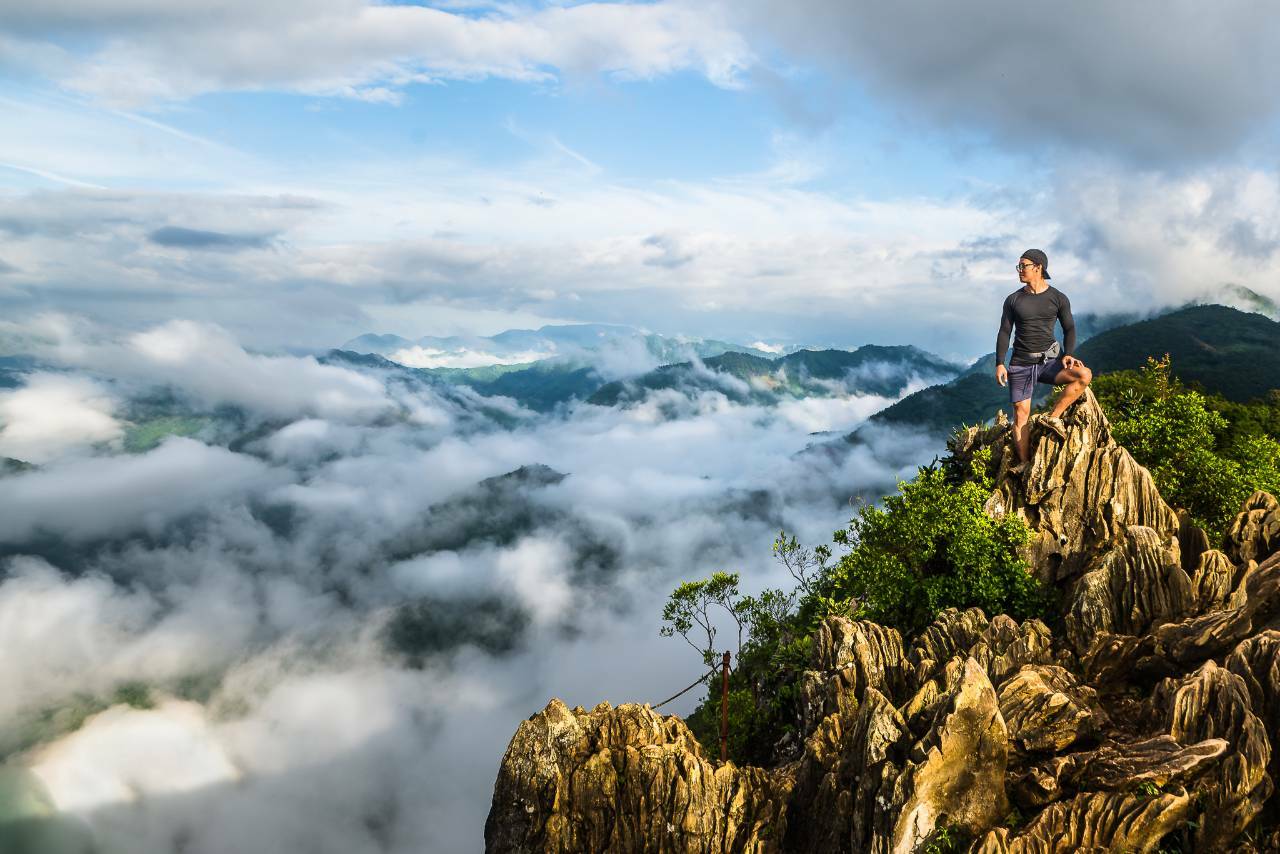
{"points": [[1074, 381]]}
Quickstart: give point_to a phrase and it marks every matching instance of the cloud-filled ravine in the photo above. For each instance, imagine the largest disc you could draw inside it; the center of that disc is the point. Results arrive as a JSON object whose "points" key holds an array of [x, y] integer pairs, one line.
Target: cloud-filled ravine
{"points": [[299, 603]]}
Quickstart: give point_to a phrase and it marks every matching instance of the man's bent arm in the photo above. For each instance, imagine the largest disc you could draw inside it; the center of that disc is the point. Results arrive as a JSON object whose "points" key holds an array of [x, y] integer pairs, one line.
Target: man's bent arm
{"points": [[1068, 327], [1006, 328]]}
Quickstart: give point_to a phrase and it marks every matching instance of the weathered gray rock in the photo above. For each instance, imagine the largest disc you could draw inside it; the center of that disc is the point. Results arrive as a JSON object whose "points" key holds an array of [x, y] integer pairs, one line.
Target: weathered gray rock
{"points": [[1094, 822], [1211, 581], [627, 779], [1080, 496], [1135, 584], [1214, 703], [1045, 708], [1255, 533], [1217, 632], [849, 657]]}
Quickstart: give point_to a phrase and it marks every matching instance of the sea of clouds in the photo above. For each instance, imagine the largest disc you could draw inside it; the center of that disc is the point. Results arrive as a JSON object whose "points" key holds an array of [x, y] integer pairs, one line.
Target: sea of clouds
{"points": [[247, 573]]}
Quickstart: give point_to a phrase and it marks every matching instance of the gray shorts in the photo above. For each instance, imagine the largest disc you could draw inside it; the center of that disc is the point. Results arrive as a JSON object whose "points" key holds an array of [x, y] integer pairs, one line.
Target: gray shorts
{"points": [[1023, 378]]}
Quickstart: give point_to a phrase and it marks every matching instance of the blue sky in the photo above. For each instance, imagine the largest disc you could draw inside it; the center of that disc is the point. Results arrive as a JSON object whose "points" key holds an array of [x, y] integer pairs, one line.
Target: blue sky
{"points": [[799, 173]]}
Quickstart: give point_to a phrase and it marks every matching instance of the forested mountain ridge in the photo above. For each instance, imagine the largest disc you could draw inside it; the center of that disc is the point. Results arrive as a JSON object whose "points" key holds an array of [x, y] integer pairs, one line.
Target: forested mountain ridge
{"points": [[1220, 349], [871, 369]]}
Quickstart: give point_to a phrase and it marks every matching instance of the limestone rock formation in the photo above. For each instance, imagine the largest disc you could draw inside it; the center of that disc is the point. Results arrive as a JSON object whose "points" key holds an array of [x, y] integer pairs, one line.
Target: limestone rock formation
{"points": [[627, 779], [850, 657], [1095, 822], [1045, 708], [1144, 721], [1255, 533], [1079, 495]]}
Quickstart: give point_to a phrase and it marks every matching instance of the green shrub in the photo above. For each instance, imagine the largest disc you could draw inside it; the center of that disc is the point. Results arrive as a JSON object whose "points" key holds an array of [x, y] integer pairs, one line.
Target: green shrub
{"points": [[1198, 458], [930, 547], [933, 547]]}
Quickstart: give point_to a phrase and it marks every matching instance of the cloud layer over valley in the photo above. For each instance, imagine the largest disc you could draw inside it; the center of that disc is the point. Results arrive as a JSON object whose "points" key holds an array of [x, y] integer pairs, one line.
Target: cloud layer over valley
{"points": [[338, 591]]}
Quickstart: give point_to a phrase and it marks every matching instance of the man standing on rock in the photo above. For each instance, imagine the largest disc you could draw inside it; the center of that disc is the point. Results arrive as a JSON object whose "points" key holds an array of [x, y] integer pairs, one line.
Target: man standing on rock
{"points": [[1030, 312]]}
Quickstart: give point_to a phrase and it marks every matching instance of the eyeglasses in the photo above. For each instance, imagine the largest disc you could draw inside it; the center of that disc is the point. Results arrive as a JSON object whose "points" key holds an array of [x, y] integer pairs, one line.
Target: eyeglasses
{"points": [[1021, 267]]}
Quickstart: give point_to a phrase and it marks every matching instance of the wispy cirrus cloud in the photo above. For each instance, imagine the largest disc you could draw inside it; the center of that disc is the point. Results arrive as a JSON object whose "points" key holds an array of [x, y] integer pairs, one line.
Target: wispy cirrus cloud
{"points": [[147, 52]]}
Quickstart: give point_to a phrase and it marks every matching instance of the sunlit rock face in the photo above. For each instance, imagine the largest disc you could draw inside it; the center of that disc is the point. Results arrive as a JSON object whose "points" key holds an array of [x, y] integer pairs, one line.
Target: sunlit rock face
{"points": [[1146, 719]]}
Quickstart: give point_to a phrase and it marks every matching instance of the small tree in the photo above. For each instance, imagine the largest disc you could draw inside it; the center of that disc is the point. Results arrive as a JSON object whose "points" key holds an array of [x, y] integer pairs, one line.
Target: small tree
{"points": [[689, 611], [806, 566]]}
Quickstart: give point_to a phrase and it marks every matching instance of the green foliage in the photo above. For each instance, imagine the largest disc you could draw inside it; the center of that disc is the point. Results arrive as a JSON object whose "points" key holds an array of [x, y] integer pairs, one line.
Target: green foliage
{"points": [[690, 608], [134, 694], [148, 434], [933, 547], [946, 839], [1200, 458]]}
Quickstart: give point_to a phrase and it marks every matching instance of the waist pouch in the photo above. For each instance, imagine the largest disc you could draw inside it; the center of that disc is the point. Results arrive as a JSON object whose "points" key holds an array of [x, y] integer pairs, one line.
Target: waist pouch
{"points": [[1055, 349]]}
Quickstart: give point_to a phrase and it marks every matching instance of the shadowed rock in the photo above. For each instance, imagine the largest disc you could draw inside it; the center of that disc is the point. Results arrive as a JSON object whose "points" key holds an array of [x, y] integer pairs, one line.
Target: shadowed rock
{"points": [[834, 806], [1255, 533], [1046, 709], [1094, 822], [1211, 581], [1192, 541], [1214, 703]]}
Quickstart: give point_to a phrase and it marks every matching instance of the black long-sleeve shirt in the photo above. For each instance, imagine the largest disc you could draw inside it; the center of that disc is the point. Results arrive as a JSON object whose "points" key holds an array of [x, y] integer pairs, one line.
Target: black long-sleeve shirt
{"points": [[1033, 316]]}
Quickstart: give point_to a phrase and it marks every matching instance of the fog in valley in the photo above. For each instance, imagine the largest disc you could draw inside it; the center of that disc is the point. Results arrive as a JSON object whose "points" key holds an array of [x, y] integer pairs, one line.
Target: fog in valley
{"points": [[271, 602]]}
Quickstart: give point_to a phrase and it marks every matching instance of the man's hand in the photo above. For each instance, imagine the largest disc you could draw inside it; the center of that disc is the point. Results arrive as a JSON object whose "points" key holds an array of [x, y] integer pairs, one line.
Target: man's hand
{"points": [[1071, 362], [1002, 374]]}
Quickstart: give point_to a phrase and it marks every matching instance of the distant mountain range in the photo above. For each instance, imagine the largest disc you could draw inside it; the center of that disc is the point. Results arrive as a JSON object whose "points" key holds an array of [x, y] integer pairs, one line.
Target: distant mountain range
{"points": [[523, 346], [743, 378], [1224, 350]]}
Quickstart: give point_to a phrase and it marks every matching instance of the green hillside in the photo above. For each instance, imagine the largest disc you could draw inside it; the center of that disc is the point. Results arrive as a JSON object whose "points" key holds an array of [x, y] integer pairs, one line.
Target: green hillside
{"points": [[1231, 352], [1223, 350]]}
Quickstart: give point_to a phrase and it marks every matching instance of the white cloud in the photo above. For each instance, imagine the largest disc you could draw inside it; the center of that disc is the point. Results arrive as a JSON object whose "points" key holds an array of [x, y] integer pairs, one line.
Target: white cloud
{"points": [[79, 499], [432, 357], [55, 414], [125, 754], [371, 51]]}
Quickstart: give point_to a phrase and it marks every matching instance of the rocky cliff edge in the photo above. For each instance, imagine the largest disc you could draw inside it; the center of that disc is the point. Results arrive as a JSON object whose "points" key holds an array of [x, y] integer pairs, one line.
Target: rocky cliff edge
{"points": [[1149, 717]]}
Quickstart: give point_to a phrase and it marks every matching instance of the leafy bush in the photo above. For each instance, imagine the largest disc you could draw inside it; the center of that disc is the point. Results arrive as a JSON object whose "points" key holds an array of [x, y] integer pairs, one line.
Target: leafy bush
{"points": [[1198, 458], [933, 547], [930, 547]]}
